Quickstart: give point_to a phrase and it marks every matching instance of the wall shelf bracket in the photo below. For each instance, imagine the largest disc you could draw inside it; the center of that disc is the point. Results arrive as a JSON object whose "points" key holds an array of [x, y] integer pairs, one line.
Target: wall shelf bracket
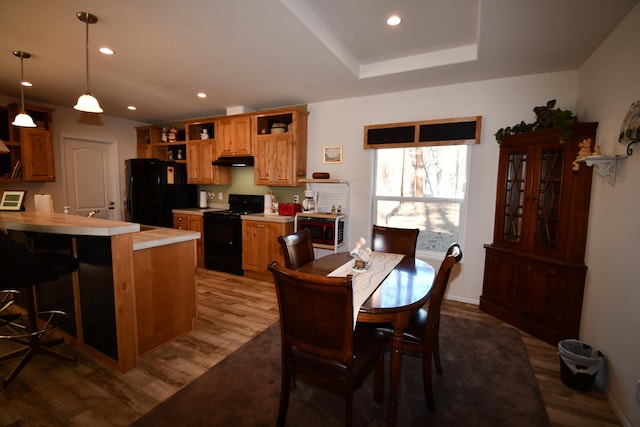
{"points": [[606, 165]]}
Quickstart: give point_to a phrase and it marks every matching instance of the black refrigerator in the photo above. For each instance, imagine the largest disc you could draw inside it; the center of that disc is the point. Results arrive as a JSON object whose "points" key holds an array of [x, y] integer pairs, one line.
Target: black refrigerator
{"points": [[154, 188]]}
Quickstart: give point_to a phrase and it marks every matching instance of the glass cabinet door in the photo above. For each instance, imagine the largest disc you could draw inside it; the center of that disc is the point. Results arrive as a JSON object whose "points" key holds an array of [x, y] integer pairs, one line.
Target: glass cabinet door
{"points": [[512, 196], [548, 194]]}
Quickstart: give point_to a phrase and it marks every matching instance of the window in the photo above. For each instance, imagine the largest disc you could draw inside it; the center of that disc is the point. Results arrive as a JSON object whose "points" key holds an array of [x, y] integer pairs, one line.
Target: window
{"points": [[425, 188]]}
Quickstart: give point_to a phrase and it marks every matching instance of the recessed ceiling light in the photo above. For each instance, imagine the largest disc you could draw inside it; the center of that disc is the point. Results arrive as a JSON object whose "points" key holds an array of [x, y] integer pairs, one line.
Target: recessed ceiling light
{"points": [[132, 108], [394, 20], [27, 84], [202, 95], [106, 51]]}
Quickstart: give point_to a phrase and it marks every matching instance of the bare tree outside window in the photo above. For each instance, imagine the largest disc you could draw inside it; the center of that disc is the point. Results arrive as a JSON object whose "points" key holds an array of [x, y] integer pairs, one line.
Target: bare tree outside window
{"points": [[423, 188]]}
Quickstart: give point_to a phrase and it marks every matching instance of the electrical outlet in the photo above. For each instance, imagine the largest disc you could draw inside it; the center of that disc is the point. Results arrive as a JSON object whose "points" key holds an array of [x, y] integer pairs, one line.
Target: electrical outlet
{"points": [[220, 195], [296, 199], [638, 392]]}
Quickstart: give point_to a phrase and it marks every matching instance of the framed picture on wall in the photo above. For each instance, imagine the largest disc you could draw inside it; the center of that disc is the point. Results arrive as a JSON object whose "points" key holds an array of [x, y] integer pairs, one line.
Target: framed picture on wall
{"points": [[12, 201], [332, 154]]}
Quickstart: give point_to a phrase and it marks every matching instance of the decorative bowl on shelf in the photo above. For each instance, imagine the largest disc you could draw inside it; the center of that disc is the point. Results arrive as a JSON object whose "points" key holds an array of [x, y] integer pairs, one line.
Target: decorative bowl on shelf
{"points": [[278, 130]]}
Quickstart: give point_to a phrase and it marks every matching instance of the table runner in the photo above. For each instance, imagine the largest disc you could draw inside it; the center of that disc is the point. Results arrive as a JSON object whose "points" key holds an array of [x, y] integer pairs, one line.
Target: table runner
{"points": [[365, 282]]}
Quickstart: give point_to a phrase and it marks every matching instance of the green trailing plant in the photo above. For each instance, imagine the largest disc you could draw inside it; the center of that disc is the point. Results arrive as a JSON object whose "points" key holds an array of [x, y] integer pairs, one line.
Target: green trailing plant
{"points": [[547, 117]]}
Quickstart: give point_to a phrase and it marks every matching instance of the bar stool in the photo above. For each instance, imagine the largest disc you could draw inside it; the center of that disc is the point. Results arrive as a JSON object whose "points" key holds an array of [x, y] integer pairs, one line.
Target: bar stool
{"points": [[26, 270]]}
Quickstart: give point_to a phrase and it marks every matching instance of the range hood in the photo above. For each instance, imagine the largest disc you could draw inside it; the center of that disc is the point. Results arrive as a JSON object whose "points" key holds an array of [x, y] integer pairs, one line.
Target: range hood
{"points": [[234, 161]]}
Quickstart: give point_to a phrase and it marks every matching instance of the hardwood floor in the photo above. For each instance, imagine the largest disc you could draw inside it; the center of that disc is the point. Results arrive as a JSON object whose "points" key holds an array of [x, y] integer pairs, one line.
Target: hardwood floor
{"points": [[231, 311]]}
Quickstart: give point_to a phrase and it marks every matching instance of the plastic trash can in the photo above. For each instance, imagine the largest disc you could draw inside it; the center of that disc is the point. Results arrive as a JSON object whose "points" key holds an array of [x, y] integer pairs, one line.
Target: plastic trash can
{"points": [[579, 364]]}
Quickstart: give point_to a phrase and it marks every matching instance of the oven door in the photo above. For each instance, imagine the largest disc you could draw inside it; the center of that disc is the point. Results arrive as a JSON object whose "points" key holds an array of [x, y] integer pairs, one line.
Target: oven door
{"points": [[223, 243]]}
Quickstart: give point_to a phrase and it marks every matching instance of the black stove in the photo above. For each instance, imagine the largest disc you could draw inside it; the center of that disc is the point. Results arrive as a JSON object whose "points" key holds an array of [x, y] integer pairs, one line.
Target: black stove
{"points": [[241, 204], [222, 232]]}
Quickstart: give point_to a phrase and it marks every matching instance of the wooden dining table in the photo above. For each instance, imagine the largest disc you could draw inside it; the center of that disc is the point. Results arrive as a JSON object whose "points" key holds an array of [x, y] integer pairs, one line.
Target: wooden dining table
{"points": [[403, 292]]}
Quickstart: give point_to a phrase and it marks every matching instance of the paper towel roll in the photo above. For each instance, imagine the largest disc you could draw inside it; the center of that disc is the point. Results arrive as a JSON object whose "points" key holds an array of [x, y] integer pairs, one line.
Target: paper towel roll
{"points": [[268, 207], [203, 199], [43, 202]]}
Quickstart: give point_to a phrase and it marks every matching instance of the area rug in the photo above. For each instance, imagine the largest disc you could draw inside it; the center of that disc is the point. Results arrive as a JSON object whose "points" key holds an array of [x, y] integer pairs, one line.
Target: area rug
{"points": [[487, 381]]}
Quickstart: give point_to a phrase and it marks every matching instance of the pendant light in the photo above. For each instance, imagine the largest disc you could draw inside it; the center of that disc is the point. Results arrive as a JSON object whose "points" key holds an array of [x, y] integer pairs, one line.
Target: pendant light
{"points": [[23, 119], [87, 102]]}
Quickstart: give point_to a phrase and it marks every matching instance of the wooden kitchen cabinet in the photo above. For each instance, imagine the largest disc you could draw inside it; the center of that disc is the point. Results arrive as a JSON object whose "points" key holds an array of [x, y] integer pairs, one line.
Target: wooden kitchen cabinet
{"points": [[149, 145], [233, 135], [191, 223], [280, 158], [200, 154], [534, 269], [31, 148], [260, 246]]}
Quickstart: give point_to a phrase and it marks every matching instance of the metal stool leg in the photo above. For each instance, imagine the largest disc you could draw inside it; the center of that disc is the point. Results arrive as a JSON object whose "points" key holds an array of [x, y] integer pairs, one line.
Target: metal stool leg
{"points": [[36, 344]]}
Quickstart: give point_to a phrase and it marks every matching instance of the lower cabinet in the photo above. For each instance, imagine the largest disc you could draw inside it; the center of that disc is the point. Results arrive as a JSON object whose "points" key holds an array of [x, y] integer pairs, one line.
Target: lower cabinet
{"points": [[539, 295], [260, 246], [191, 223]]}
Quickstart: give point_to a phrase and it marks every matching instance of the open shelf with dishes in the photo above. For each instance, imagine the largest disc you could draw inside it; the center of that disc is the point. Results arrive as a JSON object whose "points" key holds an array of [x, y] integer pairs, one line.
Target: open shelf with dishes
{"points": [[150, 144]]}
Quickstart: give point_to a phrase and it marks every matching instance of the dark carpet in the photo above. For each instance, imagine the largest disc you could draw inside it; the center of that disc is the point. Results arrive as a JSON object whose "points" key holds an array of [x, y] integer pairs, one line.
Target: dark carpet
{"points": [[487, 381]]}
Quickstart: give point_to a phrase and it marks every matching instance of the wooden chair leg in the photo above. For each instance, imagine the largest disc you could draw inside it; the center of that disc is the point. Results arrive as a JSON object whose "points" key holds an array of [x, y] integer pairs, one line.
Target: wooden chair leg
{"points": [[284, 398], [348, 410], [378, 379], [436, 349], [426, 379]]}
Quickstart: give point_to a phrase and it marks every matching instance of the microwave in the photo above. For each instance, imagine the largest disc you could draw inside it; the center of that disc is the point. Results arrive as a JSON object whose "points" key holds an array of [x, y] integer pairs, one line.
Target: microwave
{"points": [[323, 231]]}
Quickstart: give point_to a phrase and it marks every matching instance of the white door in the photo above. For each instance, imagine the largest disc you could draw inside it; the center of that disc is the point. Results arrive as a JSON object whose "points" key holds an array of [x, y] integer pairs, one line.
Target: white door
{"points": [[90, 173]]}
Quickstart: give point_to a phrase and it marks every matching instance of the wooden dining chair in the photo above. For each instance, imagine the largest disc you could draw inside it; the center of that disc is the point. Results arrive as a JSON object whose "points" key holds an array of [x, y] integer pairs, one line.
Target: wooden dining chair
{"points": [[298, 248], [422, 336], [395, 240], [319, 343]]}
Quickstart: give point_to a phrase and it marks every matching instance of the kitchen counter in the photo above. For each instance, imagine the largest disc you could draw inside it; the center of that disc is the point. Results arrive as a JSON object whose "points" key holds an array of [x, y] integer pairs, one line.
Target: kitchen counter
{"points": [[158, 236], [282, 219], [57, 223], [200, 211], [135, 287]]}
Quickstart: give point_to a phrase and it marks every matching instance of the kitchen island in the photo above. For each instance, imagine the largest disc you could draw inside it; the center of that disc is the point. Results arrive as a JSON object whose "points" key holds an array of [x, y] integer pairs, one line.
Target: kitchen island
{"points": [[135, 288]]}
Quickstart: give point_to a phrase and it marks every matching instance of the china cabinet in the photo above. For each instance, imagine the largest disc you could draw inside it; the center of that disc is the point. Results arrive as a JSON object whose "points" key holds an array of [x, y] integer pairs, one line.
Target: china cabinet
{"points": [[534, 269]]}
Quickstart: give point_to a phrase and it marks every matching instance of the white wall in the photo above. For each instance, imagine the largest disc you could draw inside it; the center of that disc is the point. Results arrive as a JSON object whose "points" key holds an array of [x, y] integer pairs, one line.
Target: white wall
{"points": [[68, 122], [608, 83], [501, 103]]}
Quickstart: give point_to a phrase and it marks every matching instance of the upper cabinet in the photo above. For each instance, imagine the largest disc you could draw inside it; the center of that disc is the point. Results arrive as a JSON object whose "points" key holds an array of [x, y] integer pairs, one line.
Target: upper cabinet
{"points": [[31, 149], [277, 140], [154, 142], [280, 146], [201, 148], [233, 135]]}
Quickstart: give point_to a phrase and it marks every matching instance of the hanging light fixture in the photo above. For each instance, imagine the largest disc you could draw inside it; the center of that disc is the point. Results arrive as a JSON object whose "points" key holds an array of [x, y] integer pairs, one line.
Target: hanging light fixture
{"points": [[87, 102], [23, 119]]}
